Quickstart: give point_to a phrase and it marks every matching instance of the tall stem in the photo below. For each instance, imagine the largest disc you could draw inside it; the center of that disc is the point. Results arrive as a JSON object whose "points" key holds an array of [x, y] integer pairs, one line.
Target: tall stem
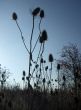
{"points": [[58, 80], [23, 40], [30, 55]]}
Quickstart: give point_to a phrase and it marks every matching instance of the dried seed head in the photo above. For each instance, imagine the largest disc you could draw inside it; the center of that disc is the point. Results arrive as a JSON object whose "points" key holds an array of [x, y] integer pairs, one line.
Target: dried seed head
{"points": [[23, 78], [64, 78], [58, 66], [24, 73], [46, 68], [27, 78], [36, 66], [3, 76], [50, 58], [14, 16], [36, 11], [44, 80], [44, 35], [42, 60], [42, 13], [35, 85]]}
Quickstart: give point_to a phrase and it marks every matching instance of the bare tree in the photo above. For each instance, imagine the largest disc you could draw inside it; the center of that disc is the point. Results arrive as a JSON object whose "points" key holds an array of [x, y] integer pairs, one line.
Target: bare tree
{"points": [[71, 65]]}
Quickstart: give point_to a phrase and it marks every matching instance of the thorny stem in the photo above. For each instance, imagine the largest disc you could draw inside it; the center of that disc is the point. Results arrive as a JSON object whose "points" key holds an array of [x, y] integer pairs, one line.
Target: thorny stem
{"points": [[22, 36]]}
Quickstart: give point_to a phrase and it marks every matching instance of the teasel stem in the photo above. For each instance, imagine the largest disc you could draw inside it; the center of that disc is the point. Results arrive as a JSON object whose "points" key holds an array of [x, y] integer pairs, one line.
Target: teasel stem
{"points": [[38, 36], [22, 37], [37, 57], [30, 59]]}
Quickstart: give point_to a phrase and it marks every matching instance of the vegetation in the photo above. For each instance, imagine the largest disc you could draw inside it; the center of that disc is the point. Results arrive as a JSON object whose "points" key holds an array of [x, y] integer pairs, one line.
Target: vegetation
{"points": [[41, 95]]}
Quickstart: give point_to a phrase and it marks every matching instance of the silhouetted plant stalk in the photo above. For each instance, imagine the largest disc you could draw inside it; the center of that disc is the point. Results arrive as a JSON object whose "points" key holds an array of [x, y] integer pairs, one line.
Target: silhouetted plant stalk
{"points": [[24, 78], [51, 62], [64, 81], [58, 69], [41, 38]]}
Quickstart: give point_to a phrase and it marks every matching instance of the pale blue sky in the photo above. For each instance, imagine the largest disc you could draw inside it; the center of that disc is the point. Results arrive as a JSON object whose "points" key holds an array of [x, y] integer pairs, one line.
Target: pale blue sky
{"points": [[62, 22]]}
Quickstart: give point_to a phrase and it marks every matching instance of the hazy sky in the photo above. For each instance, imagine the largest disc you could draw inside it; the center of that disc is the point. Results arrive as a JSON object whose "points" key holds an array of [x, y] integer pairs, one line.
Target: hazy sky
{"points": [[62, 22]]}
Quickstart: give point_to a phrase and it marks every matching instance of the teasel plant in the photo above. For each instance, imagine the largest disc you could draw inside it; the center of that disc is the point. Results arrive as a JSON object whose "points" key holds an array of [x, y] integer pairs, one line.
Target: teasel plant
{"points": [[51, 59], [24, 78], [41, 39], [58, 70]]}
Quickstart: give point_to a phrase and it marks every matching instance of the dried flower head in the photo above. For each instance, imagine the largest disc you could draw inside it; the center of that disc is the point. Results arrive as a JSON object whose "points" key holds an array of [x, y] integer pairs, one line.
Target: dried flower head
{"points": [[50, 58], [14, 16], [44, 80], [36, 11], [42, 13], [42, 60], [23, 78], [36, 66], [58, 66], [24, 73], [46, 68], [64, 78], [44, 35]]}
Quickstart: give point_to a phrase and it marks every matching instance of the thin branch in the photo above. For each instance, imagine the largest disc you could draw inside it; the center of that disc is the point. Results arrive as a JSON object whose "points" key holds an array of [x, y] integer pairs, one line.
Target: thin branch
{"points": [[22, 36], [38, 36]]}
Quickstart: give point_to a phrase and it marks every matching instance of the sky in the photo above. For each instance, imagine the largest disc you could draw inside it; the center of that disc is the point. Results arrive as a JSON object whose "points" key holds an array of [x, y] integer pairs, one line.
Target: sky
{"points": [[62, 22]]}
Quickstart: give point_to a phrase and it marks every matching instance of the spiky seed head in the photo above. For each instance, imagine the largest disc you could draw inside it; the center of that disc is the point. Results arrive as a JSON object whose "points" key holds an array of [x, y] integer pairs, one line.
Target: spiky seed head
{"points": [[14, 16], [35, 85], [36, 66], [50, 58], [46, 68], [44, 80], [36, 11], [27, 78], [23, 78], [64, 78], [44, 35], [42, 60], [24, 73], [58, 66], [3, 76], [42, 13]]}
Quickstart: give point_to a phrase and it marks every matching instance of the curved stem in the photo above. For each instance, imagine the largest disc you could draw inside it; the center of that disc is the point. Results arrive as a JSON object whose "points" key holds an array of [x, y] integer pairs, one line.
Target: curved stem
{"points": [[22, 37], [31, 35]]}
